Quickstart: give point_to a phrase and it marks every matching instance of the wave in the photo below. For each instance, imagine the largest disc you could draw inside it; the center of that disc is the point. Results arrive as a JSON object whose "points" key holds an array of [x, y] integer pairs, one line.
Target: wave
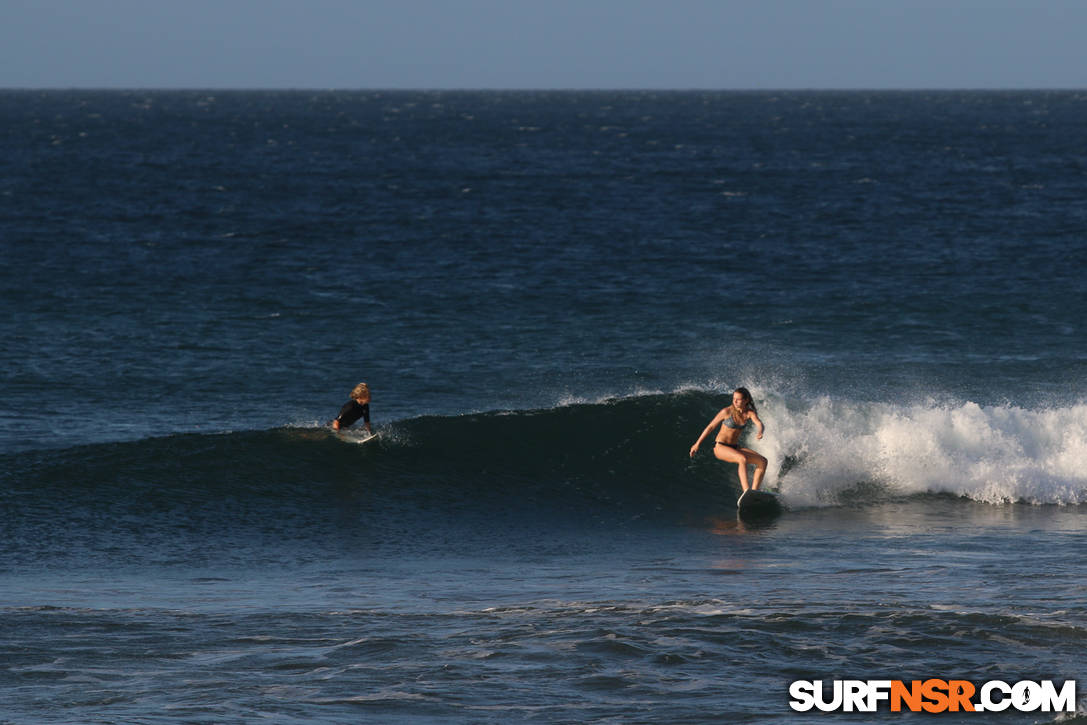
{"points": [[625, 453], [827, 449]]}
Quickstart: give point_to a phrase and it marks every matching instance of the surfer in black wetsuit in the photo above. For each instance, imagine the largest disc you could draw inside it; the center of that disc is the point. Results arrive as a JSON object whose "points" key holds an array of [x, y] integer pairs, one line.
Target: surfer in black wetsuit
{"points": [[357, 407]]}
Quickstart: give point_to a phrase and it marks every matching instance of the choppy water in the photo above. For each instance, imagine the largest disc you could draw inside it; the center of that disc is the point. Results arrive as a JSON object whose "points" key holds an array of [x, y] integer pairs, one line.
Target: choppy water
{"points": [[550, 295]]}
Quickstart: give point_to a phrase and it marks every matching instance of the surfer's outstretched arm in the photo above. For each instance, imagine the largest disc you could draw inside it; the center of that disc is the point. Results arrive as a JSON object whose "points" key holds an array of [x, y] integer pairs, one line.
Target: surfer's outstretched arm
{"points": [[713, 423]]}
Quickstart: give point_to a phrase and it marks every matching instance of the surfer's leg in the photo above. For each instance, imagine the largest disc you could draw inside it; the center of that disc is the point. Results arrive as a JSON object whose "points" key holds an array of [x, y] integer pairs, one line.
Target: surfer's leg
{"points": [[759, 462], [742, 470], [733, 455]]}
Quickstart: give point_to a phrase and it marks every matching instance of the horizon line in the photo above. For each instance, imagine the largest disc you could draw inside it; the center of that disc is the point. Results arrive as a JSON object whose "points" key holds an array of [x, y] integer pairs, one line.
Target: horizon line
{"points": [[554, 89]]}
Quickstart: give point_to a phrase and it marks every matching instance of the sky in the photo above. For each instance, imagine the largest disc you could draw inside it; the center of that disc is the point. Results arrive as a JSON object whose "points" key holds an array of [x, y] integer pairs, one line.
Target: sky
{"points": [[536, 44]]}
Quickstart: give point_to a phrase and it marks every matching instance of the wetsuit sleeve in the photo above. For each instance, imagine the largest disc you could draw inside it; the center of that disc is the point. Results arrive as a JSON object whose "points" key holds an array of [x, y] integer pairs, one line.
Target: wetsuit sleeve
{"points": [[344, 411]]}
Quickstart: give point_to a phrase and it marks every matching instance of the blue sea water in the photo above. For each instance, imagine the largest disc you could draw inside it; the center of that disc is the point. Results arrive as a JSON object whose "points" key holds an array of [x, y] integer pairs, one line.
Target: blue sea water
{"points": [[550, 294]]}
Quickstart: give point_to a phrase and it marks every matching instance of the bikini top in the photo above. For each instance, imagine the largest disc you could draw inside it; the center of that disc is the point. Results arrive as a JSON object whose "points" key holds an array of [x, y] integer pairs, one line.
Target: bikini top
{"points": [[730, 423]]}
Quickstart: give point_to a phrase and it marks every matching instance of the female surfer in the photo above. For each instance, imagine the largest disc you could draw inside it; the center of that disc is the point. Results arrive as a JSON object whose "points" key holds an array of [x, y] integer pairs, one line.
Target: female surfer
{"points": [[357, 407], [732, 420]]}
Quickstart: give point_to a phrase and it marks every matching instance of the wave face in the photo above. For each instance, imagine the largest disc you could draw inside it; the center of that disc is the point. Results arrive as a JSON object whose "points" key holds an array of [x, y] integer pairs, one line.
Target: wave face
{"points": [[628, 455]]}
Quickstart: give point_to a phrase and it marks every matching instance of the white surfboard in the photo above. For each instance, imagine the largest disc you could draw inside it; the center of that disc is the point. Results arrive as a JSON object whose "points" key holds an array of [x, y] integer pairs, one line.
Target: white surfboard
{"points": [[357, 436]]}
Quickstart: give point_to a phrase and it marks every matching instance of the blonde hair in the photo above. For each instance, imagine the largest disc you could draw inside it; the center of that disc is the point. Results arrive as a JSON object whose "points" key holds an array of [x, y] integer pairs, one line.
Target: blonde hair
{"points": [[739, 415], [362, 390]]}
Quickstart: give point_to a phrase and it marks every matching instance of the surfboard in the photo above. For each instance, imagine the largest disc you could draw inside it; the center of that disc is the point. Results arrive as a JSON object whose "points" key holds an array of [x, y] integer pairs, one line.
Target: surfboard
{"points": [[357, 436], [758, 503]]}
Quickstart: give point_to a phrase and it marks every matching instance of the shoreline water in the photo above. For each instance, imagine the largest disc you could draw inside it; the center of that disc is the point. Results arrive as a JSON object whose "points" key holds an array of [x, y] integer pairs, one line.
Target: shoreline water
{"points": [[665, 621]]}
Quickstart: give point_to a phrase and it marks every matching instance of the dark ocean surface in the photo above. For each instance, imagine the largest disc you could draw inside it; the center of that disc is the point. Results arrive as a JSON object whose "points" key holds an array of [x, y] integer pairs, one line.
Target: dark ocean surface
{"points": [[550, 295]]}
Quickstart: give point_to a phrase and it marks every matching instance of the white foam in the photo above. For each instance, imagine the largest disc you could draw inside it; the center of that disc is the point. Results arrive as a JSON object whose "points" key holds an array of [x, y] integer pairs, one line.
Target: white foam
{"points": [[990, 454]]}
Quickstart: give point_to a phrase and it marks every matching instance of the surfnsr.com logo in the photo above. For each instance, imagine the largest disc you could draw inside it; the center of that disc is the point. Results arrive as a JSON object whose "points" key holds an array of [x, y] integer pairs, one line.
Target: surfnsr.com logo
{"points": [[932, 695]]}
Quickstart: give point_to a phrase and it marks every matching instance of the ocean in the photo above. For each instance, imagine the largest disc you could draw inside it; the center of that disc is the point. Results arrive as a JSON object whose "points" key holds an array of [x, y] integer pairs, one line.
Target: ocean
{"points": [[550, 295]]}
